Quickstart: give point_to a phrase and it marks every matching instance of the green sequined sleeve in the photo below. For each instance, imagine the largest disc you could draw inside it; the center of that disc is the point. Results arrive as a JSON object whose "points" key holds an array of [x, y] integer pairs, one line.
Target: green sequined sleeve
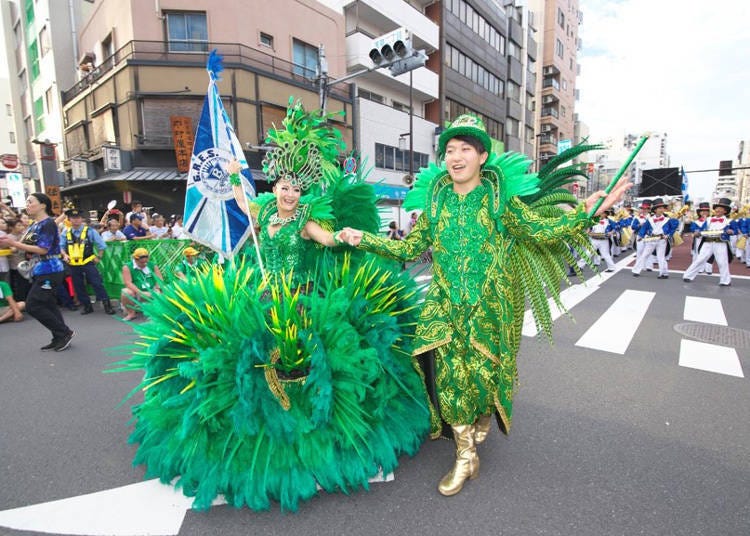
{"points": [[411, 247], [525, 224]]}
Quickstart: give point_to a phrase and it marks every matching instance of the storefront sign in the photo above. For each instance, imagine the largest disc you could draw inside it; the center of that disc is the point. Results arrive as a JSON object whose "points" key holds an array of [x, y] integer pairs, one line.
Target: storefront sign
{"points": [[182, 136]]}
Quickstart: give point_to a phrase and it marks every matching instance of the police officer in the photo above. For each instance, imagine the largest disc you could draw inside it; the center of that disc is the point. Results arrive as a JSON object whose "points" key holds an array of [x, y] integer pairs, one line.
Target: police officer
{"points": [[82, 248]]}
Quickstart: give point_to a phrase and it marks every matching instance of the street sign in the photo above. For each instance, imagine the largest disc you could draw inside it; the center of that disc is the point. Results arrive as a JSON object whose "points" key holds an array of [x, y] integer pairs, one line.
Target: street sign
{"points": [[9, 161], [15, 188], [564, 145]]}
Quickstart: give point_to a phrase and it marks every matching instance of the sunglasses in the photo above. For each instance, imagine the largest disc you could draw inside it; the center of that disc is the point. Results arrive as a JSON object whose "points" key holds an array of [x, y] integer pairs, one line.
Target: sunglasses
{"points": [[142, 257]]}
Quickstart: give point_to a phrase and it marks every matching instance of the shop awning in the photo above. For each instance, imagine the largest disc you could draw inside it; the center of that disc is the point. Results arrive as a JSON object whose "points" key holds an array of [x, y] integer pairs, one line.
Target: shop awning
{"points": [[143, 174], [390, 191]]}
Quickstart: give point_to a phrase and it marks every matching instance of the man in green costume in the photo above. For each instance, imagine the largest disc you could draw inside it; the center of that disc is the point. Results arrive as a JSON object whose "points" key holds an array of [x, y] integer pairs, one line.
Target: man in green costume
{"points": [[491, 251]]}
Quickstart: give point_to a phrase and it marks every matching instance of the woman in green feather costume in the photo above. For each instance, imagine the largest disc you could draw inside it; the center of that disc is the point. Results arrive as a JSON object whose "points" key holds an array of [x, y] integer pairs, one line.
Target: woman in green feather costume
{"points": [[266, 382], [498, 238]]}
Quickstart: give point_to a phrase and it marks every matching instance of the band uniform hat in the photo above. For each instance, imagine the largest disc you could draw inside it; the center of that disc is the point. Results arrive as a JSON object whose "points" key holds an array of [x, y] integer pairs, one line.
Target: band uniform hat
{"points": [[646, 203], [703, 205], [190, 252], [465, 125], [724, 202], [140, 252], [658, 202]]}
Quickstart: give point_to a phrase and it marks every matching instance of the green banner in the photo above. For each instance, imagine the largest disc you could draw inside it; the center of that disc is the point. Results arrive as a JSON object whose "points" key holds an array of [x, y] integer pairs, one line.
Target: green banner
{"points": [[166, 254]]}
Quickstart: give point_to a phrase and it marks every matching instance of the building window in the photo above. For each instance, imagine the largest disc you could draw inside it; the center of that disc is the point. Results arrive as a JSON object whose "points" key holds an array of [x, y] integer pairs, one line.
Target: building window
{"points": [[393, 158], [369, 95], [43, 41], [266, 40], [9, 109], [400, 106], [187, 31], [564, 85], [560, 18], [466, 66], [559, 48], [12, 137], [514, 91], [562, 111], [33, 58], [511, 127], [305, 58], [49, 100], [478, 24]]}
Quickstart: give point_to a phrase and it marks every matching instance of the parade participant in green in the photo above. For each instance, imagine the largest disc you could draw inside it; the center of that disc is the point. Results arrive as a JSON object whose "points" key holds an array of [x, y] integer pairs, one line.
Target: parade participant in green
{"points": [[496, 240], [190, 264], [141, 279]]}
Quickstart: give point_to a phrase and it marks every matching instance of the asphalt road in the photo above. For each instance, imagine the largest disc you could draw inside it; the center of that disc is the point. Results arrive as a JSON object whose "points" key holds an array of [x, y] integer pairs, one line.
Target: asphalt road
{"points": [[602, 443]]}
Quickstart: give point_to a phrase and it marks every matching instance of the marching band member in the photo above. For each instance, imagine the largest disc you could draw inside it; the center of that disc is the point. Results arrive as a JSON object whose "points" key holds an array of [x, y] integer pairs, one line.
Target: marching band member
{"points": [[654, 234], [715, 241], [696, 227], [635, 226], [601, 236]]}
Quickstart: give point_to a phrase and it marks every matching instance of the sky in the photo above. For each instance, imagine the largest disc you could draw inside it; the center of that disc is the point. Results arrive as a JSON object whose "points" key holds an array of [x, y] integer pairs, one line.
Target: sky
{"points": [[675, 66]]}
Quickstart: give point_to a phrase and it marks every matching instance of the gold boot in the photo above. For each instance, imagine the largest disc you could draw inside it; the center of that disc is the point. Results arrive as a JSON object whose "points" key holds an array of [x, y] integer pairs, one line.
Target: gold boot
{"points": [[482, 428], [467, 461]]}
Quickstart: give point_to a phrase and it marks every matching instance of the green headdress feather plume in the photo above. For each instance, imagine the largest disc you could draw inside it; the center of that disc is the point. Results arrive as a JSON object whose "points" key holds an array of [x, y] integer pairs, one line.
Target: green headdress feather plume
{"points": [[307, 148]]}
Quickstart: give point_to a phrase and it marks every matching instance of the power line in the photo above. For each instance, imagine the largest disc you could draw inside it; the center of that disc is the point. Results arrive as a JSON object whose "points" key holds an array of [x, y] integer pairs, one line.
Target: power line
{"points": [[716, 169]]}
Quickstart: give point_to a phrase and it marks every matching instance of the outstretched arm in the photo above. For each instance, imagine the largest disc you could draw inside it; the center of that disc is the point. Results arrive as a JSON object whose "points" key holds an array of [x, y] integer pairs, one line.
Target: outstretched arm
{"points": [[411, 247]]}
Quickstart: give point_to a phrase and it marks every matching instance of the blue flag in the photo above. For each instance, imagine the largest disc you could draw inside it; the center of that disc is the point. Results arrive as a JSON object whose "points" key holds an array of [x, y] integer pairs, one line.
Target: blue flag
{"points": [[685, 195], [212, 216]]}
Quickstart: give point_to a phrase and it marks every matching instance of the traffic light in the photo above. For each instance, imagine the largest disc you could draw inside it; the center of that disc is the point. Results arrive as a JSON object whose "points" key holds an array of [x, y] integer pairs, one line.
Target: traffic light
{"points": [[394, 50]]}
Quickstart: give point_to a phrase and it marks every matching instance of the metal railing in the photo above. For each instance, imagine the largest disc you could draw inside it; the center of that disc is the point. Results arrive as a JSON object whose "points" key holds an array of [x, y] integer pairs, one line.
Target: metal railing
{"points": [[234, 54]]}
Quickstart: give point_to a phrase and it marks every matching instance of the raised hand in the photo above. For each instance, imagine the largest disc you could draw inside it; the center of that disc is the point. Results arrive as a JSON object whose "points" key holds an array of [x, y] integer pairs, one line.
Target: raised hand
{"points": [[615, 196]]}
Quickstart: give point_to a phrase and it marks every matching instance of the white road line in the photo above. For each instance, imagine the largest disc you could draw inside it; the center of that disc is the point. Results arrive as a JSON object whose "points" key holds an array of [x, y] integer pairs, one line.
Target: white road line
{"points": [[707, 310], [147, 508], [572, 296], [616, 327], [710, 357]]}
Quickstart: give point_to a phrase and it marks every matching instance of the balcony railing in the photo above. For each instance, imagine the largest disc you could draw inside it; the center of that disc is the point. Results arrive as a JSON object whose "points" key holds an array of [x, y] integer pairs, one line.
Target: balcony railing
{"points": [[551, 82], [548, 140], [550, 112], [159, 53]]}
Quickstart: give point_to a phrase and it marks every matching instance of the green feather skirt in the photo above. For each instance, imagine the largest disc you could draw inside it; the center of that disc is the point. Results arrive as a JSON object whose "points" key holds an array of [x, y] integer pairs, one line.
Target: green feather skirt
{"points": [[260, 392]]}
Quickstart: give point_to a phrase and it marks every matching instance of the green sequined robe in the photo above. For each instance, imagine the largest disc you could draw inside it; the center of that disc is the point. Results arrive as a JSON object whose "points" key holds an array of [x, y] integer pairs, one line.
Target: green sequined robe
{"points": [[473, 310]]}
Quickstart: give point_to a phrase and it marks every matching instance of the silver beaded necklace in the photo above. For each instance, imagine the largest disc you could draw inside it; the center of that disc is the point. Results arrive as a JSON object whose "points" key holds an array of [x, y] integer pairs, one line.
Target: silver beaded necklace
{"points": [[275, 220]]}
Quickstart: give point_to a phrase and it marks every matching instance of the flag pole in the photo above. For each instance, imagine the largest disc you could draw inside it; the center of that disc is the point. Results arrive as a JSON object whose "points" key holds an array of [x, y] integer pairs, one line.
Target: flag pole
{"points": [[619, 174]]}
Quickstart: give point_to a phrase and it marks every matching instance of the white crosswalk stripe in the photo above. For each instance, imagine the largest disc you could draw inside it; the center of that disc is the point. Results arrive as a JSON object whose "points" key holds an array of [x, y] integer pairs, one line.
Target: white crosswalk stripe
{"points": [[707, 310], [710, 357], [614, 330]]}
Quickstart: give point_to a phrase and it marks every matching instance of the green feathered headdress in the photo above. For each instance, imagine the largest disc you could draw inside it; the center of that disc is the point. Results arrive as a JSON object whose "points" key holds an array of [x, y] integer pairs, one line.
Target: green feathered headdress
{"points": [[307, 148]]}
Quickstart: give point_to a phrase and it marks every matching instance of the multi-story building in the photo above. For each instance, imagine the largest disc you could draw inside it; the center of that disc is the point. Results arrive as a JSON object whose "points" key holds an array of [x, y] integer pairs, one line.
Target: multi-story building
{"points": [[143, 64], [9, 161], [42, 58], [605, 163], [556, 92], [387, 136], [486, 66], [742, 172], [727, 184]]}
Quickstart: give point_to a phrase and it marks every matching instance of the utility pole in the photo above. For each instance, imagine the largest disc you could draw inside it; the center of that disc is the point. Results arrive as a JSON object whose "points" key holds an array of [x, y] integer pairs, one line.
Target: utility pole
{"points": [[322, 76]]}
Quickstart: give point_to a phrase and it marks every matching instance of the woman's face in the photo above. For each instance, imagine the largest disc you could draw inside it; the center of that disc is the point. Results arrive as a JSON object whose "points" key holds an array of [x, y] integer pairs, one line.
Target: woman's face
{"points": [[287, 196], [25, 220], [34, 207], [19, 228], [3, 225]]}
